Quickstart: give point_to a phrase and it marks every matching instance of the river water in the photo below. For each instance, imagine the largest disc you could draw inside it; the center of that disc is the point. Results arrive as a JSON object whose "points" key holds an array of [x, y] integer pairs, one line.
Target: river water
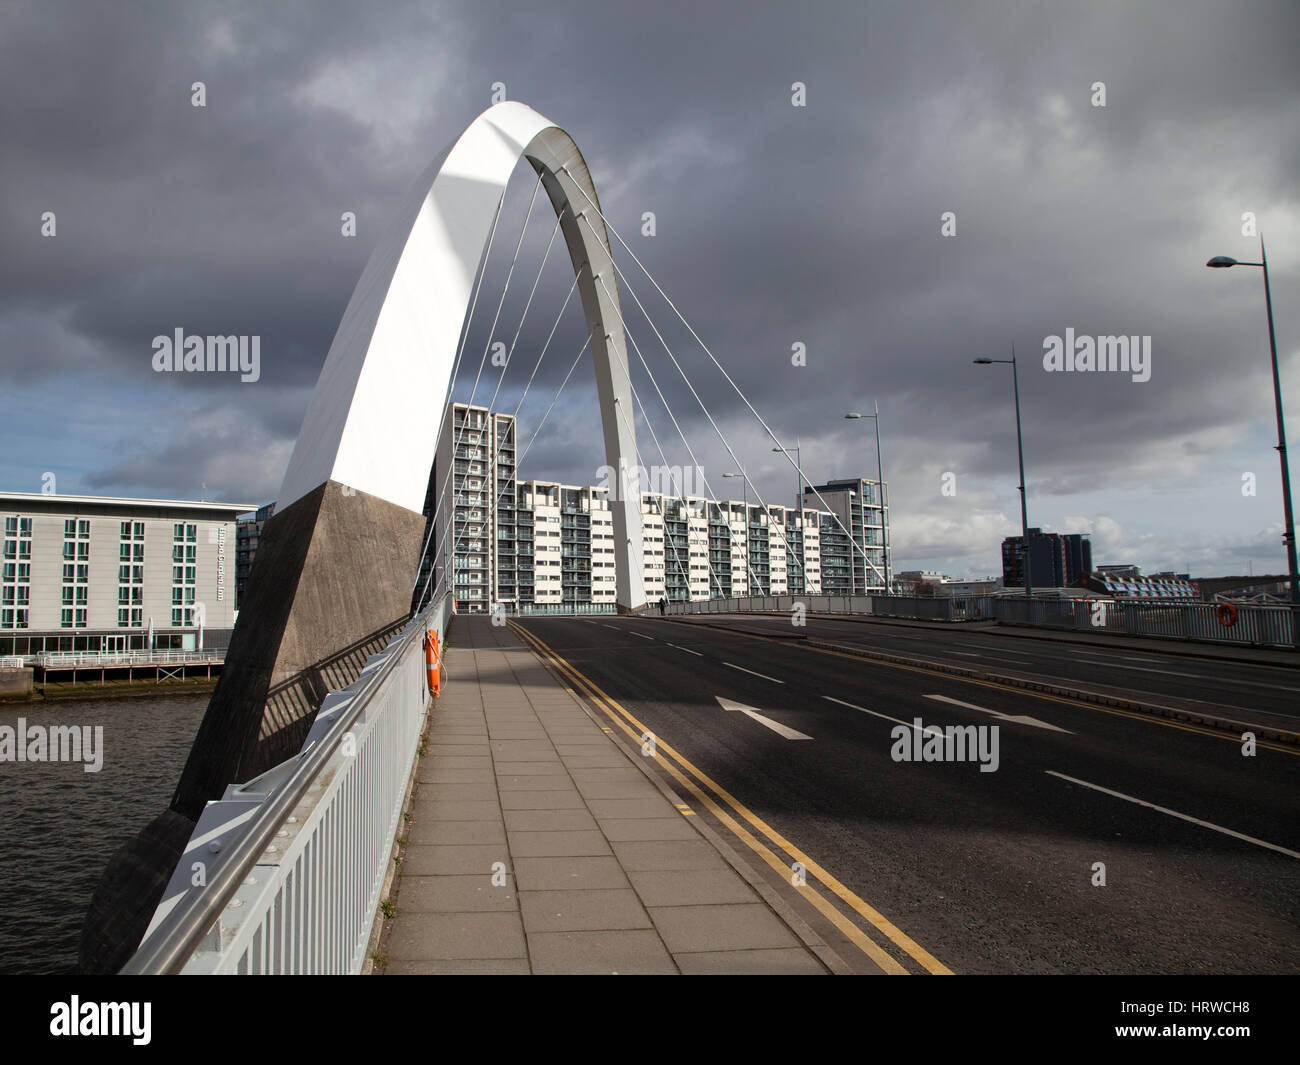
{"points": [[59, 824]]}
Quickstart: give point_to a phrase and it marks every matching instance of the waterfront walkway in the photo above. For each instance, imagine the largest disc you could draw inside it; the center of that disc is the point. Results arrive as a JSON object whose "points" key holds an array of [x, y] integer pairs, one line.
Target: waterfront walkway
{"points": [[536, 844]]}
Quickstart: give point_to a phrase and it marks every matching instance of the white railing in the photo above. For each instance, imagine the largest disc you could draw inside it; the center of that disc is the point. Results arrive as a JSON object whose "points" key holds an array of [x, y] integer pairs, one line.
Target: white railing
{"points": [[69, 659], [11, 662], [293, 863]]}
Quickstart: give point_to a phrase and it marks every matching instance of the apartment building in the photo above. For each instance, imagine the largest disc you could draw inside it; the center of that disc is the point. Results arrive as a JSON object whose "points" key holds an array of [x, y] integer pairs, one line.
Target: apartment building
{"points": [[97, 573], [546, 545], [861, 506]]}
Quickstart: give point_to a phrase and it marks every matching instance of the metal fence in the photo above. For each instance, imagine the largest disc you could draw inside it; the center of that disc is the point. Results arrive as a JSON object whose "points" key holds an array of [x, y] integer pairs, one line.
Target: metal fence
{"points": [[542, 609], [1250, 624], [70, 659], [775, 604], [293, 863]]}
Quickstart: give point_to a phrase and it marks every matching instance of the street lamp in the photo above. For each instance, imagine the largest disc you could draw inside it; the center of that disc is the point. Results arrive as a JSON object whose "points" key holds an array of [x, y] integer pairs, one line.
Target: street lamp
{"points": [[1020, 447], [1288, 538], [880, 474], [748, 569]]}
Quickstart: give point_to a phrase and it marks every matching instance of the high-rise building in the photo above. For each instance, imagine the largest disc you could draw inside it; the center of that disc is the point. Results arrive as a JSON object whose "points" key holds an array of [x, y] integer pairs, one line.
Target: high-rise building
{"points": [[862, 510], [1056, 560], [538, 545], [471, 510]]}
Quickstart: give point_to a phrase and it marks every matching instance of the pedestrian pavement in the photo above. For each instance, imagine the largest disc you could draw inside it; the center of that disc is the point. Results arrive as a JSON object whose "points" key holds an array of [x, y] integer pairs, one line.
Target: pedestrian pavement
{"points": [[537, 844]]}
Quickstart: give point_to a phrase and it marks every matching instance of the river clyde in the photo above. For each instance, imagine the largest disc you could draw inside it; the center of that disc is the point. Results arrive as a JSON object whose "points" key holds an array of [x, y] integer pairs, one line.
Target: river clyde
{"points": [[60, 824]]}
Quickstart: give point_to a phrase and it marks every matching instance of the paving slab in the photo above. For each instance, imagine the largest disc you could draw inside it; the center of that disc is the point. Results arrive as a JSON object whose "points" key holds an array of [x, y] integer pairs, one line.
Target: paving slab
{"points": [[536, 844]]}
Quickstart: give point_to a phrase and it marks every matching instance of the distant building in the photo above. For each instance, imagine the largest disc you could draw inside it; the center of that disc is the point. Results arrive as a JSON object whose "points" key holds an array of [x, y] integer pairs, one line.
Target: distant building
{"points": [[1127, 582], [1056, 560], [248, 534], [96, 573], [909, 580], [957, 589], [861, 506]]}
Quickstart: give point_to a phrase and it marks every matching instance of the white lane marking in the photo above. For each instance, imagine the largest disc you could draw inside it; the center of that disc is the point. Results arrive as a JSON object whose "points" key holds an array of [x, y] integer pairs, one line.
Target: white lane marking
{"points": [[752, 673], [641, 634], [1126, 658], [932, 729], [964, 654], [608, 626], [697, 654], [1202, 676], [1019, 718], [749, 711], [1175, 813]]}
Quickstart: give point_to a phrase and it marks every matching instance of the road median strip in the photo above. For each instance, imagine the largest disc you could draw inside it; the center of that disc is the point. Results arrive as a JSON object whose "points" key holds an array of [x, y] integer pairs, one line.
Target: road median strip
{"points": [[1191, 717]]}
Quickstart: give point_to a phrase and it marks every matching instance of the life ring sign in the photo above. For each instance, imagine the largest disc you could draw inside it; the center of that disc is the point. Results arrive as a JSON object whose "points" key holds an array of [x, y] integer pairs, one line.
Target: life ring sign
{"points": [[1227, 615]]}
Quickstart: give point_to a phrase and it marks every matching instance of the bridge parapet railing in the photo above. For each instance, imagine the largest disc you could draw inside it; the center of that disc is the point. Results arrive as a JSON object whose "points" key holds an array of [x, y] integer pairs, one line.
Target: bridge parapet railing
{"points": [[284, 873], [1249, 624]]}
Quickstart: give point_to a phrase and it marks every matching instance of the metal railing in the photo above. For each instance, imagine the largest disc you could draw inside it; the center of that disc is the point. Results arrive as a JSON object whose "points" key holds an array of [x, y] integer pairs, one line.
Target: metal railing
{"points": [[68, 659], [292, 864], [532, 609]]}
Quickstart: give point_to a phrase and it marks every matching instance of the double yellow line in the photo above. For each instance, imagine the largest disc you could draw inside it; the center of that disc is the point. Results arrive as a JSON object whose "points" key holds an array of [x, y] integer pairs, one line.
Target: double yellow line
{"points": [[683, 771]]}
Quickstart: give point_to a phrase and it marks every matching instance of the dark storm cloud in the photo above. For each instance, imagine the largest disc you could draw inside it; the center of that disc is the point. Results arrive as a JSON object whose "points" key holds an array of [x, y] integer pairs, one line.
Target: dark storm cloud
{"points": [[775, 224]]}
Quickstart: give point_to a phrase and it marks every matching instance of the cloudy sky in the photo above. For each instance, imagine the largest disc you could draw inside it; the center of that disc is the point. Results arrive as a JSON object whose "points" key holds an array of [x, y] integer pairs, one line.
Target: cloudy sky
{"points": [[774, 225]]}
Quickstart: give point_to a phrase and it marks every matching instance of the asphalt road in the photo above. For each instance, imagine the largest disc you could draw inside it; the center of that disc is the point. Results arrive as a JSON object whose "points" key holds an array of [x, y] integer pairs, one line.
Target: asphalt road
{"points": [[989, 871], [1268, 694]]}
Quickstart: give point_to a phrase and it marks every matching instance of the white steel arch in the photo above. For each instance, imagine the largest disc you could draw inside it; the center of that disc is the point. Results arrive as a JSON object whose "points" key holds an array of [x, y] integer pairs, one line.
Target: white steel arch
{"points": [[372, 421]]}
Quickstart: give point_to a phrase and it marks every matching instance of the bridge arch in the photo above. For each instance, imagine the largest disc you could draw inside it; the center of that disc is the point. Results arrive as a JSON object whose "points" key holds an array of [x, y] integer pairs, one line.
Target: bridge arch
{"points": [[368, 425]]}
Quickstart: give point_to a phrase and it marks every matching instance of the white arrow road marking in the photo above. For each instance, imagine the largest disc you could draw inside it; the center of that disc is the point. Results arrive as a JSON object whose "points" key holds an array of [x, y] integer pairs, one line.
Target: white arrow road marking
{"points": [[753, 674], [932, 729], [775, 726], [1019, 719], [1174, 813]]}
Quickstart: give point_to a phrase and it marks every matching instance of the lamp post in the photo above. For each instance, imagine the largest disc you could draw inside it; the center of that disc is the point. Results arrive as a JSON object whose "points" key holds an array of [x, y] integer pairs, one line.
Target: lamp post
{"points": [[749, 572], [1288, 537], [1020, 448], [880, 474]]}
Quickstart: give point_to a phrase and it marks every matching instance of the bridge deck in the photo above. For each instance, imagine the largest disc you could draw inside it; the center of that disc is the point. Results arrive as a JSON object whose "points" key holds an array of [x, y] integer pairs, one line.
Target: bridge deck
{"points": [[601, 873]]}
